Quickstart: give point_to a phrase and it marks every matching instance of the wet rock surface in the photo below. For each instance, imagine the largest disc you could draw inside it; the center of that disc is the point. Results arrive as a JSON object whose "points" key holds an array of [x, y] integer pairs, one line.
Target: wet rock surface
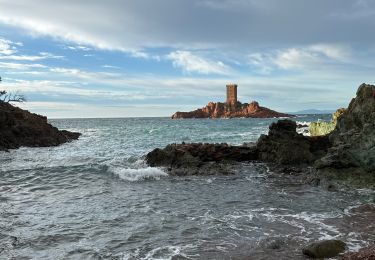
{"points": [[284, 146], [367, 253], [19, 127], [224, 110], [324, 249], [347, 151], [354, 136], [199, 158]]}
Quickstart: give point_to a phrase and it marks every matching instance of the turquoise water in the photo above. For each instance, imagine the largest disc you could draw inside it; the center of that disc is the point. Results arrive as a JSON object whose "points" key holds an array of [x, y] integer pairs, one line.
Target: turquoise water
{"points": [[95, 198]]}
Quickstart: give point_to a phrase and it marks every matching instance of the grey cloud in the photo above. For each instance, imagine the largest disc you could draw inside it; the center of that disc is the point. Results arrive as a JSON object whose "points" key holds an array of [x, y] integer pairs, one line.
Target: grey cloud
{"points": [[134, 25]]}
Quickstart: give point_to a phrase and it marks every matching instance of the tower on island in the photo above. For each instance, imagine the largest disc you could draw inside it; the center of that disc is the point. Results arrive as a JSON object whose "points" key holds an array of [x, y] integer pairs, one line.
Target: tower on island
{"points": [[232, 94]]}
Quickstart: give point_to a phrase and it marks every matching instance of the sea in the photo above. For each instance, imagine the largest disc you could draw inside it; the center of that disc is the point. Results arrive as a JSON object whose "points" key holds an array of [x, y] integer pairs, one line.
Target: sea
{"points": [[95, 198]]}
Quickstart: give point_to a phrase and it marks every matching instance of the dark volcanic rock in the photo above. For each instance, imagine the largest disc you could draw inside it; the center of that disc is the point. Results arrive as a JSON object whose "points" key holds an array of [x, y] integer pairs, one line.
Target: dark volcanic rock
{"points": [[224, 110], [354, 136], [324, 249], [21, 128], [284, 146], [198, 158], [348, 151]]}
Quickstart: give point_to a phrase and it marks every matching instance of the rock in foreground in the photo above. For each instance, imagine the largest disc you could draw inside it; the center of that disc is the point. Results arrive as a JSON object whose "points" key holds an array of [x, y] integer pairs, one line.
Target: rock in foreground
{"points": [[324, 249], [347, 151], [199, 159], [225, 110], [282, 146], [367, 253], [19, 127], [353, 140]]}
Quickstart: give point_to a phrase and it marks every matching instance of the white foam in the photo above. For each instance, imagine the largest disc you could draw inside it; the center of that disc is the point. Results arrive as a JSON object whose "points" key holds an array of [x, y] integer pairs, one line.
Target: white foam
{"points": [[303, 123], [160, 253], [130, 174]]}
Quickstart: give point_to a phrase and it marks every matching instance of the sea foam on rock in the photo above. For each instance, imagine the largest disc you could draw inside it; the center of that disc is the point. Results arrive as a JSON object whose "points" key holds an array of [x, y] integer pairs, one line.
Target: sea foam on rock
{"points": [[199, 158]]}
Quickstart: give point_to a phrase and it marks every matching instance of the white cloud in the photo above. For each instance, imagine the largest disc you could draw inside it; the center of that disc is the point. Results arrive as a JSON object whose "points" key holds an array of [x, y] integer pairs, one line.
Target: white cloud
{"points": [[20, 66], [9, 51], [189, 62], [42, 56], [307, 57], [144, 55], [332, 51], [294, 58], [6, 47], [110, 67], [78, 48]]}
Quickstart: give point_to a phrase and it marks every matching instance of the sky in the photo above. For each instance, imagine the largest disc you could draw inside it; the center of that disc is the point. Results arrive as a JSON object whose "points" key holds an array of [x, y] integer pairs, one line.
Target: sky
{"points": [[126, 58]]}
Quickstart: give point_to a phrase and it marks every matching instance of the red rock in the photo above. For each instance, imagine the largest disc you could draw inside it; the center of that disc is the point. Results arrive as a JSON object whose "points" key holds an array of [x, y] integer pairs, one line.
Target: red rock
{"points": [[225, 110]]}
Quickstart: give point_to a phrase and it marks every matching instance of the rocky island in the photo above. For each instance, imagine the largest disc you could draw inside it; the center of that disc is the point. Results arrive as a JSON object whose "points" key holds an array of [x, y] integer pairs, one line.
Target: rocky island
{"points": [[19, 127], [231, 108]]}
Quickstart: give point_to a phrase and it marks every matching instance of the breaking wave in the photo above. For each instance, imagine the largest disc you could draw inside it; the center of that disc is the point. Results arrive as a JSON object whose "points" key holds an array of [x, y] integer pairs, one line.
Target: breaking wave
{"points": [[129, 174]]}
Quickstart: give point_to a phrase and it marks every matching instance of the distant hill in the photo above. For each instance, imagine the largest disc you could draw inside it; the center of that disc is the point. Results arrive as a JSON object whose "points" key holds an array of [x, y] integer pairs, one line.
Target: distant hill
{"points": [[313, 111]]}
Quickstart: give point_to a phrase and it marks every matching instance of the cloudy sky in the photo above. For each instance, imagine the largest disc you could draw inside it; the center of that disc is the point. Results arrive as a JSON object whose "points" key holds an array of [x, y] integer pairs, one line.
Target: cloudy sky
{"points": [[120, 58]]}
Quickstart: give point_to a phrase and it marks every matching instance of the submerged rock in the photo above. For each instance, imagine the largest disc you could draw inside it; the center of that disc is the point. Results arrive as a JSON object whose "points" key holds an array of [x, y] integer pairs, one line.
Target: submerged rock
{"points": [[225, 110], [324, 249], [19, 127]]}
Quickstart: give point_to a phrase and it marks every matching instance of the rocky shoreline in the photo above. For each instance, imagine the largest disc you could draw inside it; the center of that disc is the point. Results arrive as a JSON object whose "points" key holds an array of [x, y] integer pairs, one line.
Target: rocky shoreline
{"points": [[345, 155], [349, 148], [19, 127], [283, 146]]}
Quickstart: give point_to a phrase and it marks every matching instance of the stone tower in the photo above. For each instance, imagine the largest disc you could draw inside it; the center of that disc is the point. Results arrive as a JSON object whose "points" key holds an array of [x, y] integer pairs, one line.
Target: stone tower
{"points": [[231, 94]]}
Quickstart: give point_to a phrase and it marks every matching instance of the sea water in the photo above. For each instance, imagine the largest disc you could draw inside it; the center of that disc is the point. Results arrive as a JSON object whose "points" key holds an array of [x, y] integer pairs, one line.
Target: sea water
{"points": [[95, 198]]}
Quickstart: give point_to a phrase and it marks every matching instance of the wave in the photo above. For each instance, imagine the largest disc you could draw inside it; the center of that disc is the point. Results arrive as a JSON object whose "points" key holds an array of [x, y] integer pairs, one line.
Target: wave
{"points": [[129, 174], [167, 252], [303, 123]]}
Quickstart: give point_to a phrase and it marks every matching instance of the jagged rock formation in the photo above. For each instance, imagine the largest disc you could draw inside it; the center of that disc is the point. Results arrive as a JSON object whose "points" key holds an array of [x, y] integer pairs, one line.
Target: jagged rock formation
{"points": [[19, 127], [198, 158], [351, 146], [324, 128], [353, 140], [225, 110], [282, 146]]}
